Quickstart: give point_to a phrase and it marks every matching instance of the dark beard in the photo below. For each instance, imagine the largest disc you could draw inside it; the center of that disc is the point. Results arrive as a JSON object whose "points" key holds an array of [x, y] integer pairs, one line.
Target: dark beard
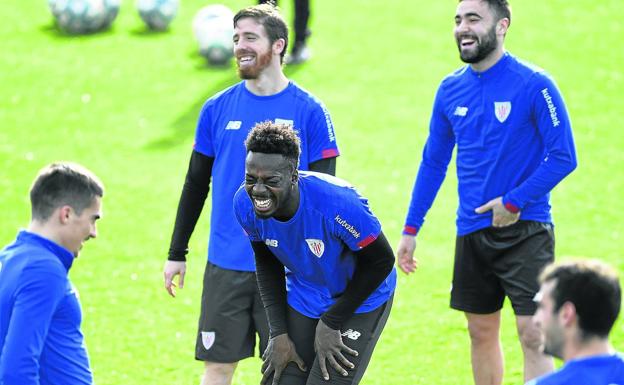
{"points": [[485, 46], [262, 61]]}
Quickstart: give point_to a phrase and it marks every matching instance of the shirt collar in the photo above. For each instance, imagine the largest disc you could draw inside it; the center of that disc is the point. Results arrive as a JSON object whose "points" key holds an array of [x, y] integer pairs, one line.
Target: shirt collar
{"points": [[494, 70], [64, 255]]}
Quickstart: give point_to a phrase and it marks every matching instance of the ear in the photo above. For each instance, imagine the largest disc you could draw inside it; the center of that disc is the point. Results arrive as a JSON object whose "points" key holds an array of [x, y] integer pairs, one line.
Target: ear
{"points": [[295, 176], [567, 314], [278, 46], [64, 213], [502, 26]]}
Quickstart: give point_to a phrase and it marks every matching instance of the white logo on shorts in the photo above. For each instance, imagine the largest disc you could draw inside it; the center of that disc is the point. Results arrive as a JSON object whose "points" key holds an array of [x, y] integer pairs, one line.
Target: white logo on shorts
{"points": [[351, 334], [208, 339]]}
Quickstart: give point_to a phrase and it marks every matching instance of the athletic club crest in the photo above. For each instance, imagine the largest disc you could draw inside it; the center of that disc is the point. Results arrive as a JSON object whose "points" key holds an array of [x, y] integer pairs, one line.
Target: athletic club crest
{"points": [[208, 339], [502, 110], [317, 247]]}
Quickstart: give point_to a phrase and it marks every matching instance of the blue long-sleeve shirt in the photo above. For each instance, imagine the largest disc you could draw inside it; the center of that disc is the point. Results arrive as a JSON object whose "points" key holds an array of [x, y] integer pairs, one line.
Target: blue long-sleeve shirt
{"points": [[513, 138], [40, 316]]}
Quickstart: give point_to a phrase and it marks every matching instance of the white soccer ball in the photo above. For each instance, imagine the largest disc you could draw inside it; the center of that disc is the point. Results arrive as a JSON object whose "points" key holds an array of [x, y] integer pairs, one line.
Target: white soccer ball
{"points": [[213, 28], [157, 14], [84, 16]]}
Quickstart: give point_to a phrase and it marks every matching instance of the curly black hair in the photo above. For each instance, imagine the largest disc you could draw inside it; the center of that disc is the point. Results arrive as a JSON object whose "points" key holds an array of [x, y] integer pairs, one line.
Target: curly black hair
{"points": [[271, 138]]}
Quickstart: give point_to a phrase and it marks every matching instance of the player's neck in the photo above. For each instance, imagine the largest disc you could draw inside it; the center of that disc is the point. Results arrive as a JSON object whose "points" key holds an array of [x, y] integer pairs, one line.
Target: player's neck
{"points": [[270, 82], [583, 349], [489, 61], [45, 230], [291, 206]]}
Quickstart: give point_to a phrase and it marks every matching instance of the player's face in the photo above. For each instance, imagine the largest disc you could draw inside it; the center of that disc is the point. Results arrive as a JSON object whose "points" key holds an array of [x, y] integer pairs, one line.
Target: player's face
{"points": [[252, 48], [81, 228], [475, 30], [547, 320], [270, 181]]}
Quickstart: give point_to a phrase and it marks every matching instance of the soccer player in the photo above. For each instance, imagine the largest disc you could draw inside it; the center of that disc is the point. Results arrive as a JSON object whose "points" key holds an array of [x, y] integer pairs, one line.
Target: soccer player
{"points": [[231, 310], [577, 305], [514, 144], [324, 268], [40, 337], [300, 51]]}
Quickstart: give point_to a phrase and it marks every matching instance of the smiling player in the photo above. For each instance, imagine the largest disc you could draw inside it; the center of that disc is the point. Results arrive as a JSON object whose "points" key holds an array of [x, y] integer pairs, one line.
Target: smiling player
{"points": [[231, 310], [514, 144], [324, 268]]}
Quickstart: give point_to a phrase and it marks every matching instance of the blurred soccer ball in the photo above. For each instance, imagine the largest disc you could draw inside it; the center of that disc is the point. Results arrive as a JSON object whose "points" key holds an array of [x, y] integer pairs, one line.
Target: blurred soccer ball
{"points": [[213, 29], [157, 14], [84, 16]]}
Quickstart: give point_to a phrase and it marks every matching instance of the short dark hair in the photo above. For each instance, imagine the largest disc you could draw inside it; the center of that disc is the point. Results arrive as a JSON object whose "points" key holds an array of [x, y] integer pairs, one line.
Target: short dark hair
{"points": [[501, 8], [593, 288], [271, 138], [60, 184], [268, 16]]}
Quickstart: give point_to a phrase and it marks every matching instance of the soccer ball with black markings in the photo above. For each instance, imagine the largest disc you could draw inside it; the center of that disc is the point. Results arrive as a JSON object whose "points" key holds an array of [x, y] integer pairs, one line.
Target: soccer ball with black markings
{"points": [[157, 14], [213, 29], [84, 16]]}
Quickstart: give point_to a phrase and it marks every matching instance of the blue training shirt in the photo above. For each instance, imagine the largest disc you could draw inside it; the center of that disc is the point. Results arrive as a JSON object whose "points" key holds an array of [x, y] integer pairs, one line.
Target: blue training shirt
{"points": [[513, 139], [316, 245], [40, 316], [597, 370], [223, 125]]}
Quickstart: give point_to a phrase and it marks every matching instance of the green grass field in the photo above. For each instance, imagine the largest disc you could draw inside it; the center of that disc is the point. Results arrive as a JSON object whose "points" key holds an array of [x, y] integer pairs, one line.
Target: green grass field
{"points": [[124, 103]]}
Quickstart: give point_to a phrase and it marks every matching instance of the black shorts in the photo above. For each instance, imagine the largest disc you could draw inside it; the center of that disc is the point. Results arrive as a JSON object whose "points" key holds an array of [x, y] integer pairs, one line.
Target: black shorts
{"points": [[501, 261], [231, 315], [361, 333]]}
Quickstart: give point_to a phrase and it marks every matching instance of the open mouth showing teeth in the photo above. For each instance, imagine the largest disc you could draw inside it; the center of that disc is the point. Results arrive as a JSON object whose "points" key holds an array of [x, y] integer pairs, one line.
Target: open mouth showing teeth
{"points": [[245, 59], [262, 203]]}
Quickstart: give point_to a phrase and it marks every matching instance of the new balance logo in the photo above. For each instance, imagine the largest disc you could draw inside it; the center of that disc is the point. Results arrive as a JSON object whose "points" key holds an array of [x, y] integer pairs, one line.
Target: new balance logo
{"points": [[351, 334], [233, 125], [460, 111], [285, 122], [271, 242]]}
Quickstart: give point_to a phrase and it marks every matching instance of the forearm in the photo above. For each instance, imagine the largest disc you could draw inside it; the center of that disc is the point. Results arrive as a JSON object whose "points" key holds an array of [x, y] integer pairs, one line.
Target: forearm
{"points": [[373, 264], [192, 199], [272, 287], [428, 182], [541, 182]]}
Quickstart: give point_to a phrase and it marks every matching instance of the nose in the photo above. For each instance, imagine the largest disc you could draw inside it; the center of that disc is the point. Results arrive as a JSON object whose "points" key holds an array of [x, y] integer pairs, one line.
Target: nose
{"points": [[259, 188]]}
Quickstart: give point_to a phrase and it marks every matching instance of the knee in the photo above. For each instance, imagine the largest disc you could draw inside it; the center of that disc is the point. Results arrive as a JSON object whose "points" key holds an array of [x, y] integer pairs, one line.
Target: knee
{"points": [[218, 373], [483, 333]]}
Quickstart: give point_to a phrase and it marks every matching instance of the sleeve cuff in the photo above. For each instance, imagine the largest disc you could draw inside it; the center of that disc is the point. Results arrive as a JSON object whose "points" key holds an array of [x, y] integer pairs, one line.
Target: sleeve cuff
{"points": [[511, 207], [410, 230]]}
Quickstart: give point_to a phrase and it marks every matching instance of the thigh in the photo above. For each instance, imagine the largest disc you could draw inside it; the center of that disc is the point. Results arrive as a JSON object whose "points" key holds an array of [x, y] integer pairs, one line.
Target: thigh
{"points": [[361, 333], [226, 331], [532, 248], [476, 288], [301, 330]]}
